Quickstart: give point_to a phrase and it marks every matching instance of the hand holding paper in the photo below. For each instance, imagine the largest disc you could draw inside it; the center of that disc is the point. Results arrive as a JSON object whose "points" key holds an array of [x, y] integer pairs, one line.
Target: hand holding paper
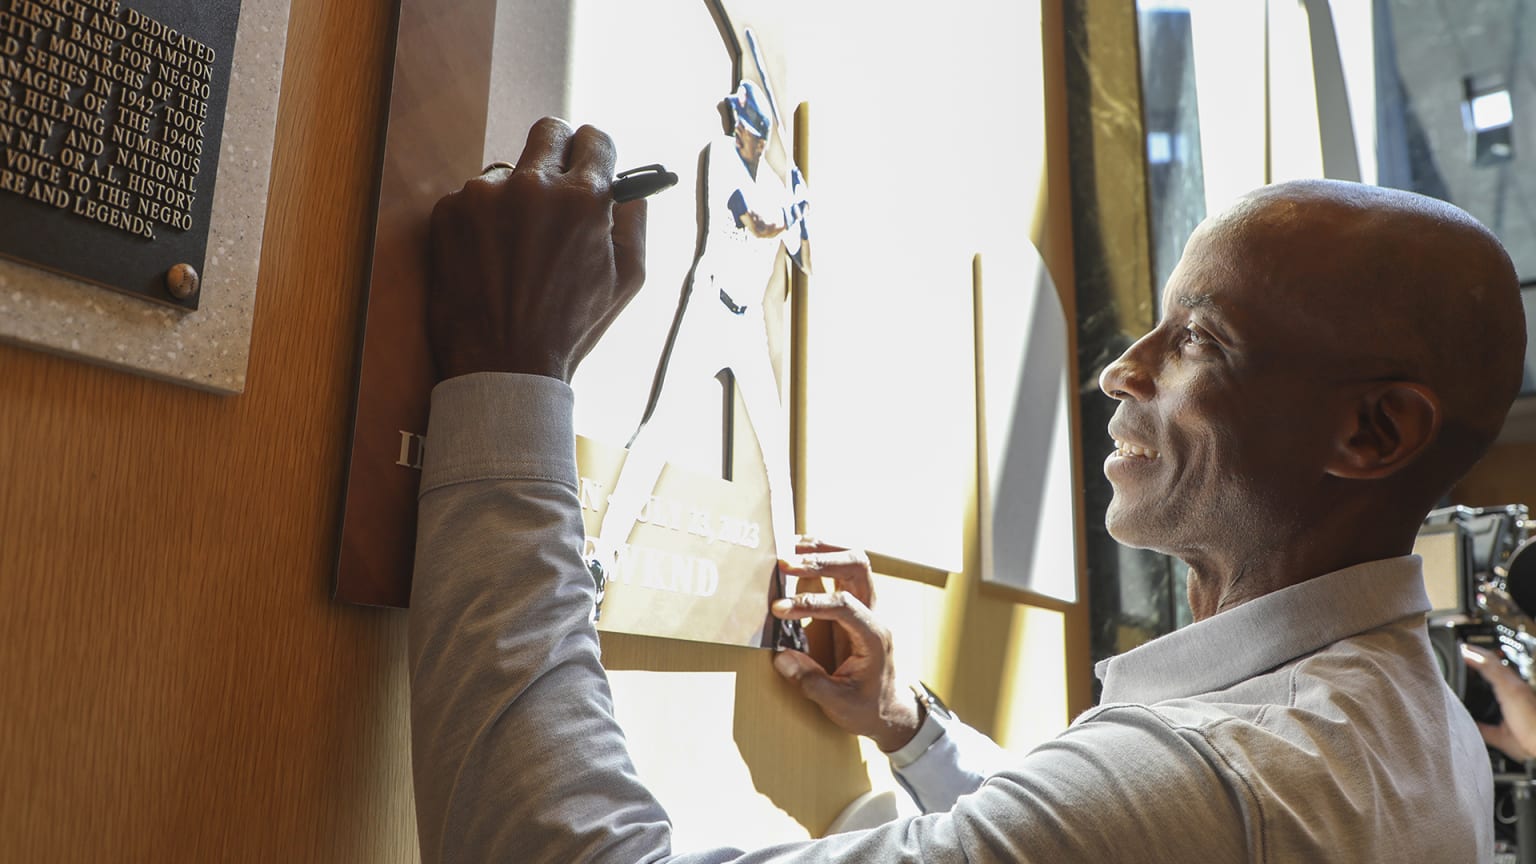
{"points": [[861, 694]]}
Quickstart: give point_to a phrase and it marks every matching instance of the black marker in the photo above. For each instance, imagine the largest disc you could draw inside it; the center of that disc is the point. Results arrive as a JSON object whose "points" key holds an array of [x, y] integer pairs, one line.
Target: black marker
{"points": [[642, 182]]}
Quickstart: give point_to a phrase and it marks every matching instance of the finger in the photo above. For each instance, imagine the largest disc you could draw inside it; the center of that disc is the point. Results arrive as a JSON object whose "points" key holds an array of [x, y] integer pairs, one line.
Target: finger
{"points": [[545, 151], [833, 564], [629, 245], [591, 158], [805, 545], [813, 681], [1500, 677], [849, 568], [843, 609], [794, 665], [629, 268], [1474, 655]]}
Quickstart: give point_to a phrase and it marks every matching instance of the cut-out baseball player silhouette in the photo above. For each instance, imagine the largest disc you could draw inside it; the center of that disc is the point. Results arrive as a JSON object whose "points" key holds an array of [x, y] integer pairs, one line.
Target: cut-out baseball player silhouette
{"points": [[719, 332]]}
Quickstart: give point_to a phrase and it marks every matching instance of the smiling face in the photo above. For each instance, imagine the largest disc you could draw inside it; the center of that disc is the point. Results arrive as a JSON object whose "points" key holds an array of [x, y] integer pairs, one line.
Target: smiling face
{"points": [[1331, 358], [1227, 408]]}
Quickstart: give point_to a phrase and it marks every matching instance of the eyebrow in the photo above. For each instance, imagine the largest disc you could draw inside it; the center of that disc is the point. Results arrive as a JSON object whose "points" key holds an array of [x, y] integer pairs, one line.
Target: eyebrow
{"points": [[1197, 301]]}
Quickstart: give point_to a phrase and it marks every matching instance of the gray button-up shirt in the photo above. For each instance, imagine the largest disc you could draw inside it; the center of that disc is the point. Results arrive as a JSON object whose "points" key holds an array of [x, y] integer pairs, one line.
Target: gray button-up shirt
{"points": [[1307, 725]]}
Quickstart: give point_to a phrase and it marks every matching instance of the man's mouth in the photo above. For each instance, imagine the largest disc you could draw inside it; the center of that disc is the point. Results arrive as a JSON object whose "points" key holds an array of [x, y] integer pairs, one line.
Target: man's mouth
{"points": [[1134, 451]]}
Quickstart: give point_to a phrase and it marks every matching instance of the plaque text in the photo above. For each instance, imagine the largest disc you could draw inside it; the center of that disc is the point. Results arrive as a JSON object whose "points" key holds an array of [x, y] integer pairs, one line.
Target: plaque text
{"points": [[102, 112]]}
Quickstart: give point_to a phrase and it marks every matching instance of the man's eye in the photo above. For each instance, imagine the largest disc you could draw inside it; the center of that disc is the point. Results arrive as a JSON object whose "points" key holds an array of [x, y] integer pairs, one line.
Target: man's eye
{"points": [[1195, 337]]}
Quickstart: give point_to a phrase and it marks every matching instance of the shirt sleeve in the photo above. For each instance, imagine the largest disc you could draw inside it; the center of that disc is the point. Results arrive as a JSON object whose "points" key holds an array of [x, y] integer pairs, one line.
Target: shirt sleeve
{"points": [[946, 759], [516, 754]]}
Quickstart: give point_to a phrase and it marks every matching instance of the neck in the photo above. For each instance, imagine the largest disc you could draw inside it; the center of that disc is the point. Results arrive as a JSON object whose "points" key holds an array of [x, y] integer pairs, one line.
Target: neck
{"points": [[1222, 579]]}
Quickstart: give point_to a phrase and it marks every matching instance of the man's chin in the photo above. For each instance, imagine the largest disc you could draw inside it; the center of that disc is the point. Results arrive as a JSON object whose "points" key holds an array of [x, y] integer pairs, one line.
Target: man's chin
{"points": [[1131, 528]]}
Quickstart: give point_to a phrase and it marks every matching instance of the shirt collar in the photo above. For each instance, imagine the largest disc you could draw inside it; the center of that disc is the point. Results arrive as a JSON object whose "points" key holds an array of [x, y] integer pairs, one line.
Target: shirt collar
{"points": [[1266, 632]]}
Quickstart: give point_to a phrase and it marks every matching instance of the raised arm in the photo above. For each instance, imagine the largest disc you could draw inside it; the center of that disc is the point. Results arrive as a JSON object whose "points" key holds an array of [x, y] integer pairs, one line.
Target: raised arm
{"points": [[512, 722]]}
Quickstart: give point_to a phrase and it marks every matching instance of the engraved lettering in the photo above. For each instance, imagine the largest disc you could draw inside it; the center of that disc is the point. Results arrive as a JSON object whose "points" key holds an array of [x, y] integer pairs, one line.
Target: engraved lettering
{"points": [[138, 184], [103, 112], [148, 147], [115, 197], [82, 10], [112, 28], [181, 80], [84, 143], [194, 106], [40, 102], [26, 163], [136, 101], [35, 14], [63, 49], [183, 121], [169, 36], [92, 39], [412, 449], [154, 211], [48, 193], [78, 183], [114, 218], [131, 119], [21, 29], [21, 118], [182, 140]]}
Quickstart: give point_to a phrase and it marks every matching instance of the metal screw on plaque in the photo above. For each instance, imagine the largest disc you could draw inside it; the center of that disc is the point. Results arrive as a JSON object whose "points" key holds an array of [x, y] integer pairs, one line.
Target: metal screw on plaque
{"points": [[182, 281]]}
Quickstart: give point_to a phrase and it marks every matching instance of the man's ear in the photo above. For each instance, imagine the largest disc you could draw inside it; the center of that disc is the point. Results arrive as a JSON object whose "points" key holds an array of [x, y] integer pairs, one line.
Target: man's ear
{"points": [[1392, 423]]}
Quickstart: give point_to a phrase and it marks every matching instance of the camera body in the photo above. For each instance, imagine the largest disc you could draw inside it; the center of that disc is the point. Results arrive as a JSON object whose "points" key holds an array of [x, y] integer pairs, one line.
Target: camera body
{"points": [[1480, 574], [1468, 554]]}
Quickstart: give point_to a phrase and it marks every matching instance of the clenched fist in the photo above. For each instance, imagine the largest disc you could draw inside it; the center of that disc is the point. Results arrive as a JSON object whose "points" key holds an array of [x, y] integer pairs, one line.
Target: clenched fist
{"points": [[531, 264]]}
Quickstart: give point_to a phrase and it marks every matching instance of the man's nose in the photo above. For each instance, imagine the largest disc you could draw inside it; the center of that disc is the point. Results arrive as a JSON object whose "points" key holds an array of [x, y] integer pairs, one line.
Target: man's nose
{"points": [[1128, 378]]}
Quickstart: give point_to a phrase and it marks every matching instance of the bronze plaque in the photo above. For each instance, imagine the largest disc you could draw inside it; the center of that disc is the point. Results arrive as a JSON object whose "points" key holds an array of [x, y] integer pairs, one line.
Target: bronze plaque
{"points": [[110, 120]]}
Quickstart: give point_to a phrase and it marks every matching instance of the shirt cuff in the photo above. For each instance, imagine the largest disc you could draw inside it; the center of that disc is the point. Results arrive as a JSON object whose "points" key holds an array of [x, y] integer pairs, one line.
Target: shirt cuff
{"points": [[927, 734], [499, 425]]}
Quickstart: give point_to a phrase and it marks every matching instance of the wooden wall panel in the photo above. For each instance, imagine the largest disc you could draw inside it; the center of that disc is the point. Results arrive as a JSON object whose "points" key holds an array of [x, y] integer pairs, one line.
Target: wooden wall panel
{"points": [[176, 684], [1506, 475]]}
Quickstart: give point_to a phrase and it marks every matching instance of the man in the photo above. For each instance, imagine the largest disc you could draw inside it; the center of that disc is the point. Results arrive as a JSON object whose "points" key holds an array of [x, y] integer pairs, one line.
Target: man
{"points": [[720, 328], [1330, 359]]}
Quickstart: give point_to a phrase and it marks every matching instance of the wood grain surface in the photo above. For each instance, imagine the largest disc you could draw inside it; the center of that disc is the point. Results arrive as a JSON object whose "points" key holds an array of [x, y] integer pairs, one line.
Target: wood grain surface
{"points": [[177, 686]]}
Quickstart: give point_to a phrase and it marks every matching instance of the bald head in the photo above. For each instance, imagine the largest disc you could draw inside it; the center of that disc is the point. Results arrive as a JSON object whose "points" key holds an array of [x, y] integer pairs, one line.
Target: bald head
{"points": [[1330, 359], [1403, 286]]}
